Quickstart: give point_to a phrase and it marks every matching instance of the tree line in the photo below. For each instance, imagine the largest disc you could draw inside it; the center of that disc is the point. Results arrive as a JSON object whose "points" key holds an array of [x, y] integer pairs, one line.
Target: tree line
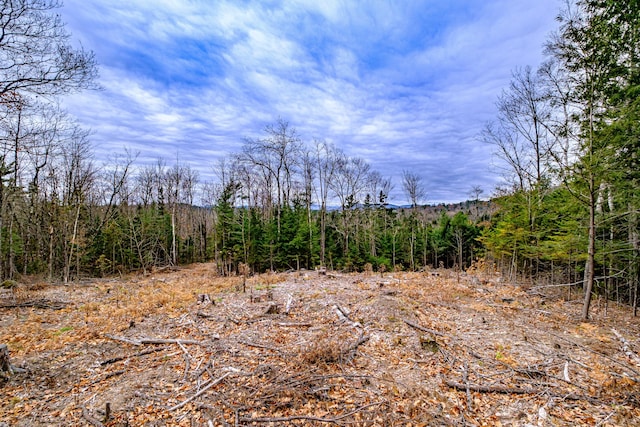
{"points": [[278, 203], [569, 136]]}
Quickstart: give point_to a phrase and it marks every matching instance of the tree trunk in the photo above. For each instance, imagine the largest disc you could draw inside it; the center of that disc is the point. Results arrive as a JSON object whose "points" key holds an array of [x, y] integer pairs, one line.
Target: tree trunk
{"points": [[589, 266]]}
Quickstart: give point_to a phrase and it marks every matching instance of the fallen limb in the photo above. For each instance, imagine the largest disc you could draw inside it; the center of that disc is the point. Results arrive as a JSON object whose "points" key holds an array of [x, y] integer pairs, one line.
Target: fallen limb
{"points": [[169, 341], [201, 392], [123, 339], [332, 420], [142, 353], [491, 389], [513, 390], [37, 304], [256, 345], [363, 339], [343, 315], [109, 375], [423, 329], [206, 316], [141, 341], [293, 325]]}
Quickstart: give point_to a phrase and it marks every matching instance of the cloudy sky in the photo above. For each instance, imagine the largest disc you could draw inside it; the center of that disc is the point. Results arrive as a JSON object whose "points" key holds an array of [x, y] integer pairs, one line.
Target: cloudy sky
{"points": [[404, 84]]}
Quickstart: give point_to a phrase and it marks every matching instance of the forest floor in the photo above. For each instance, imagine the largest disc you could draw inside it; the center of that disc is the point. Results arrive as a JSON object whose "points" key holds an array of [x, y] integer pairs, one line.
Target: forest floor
{"points": [[406, 349]]}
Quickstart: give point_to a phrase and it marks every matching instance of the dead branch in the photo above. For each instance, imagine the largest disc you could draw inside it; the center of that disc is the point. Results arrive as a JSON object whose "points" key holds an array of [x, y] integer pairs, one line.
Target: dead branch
{"points": [[332, 420], [201, 392], [423, 329], [123, 339], [268, 347], [42, 303], [109, 375], [170, 341], [512, 390], [491, 389], [142, 353], [141, 341], [293, 325], [205, 315], [343, 315], [361, 340]]}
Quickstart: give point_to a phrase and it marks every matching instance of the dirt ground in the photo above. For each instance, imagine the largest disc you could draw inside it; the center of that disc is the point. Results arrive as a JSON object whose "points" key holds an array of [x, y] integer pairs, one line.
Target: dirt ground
{"points": [[439, 348]]}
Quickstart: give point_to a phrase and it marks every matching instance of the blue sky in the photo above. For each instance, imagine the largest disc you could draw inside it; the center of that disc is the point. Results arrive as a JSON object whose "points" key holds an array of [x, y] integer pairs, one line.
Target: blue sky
{"points": [[403, 84]]}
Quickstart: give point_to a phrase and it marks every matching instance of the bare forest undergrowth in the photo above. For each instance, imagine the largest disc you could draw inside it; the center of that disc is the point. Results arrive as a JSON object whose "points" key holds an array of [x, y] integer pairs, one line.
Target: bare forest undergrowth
{"points": [[188, 348]]}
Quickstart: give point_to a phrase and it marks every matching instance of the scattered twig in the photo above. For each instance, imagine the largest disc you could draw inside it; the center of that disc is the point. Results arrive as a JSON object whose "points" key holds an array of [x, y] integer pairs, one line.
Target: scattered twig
{"points": [[605, 419], [187, 361], [201, 392]]}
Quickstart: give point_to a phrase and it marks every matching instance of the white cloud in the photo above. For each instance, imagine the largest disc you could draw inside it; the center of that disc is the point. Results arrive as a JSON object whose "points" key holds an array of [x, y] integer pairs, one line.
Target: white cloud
{"points": [[404, 85]]}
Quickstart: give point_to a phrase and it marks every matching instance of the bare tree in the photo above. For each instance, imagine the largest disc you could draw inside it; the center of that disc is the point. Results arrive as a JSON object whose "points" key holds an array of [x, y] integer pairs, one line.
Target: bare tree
{"points": [[521, 132], [349, 185], [73, 179], [276, 158], [413, 187], [35, 53], [326, 159]]}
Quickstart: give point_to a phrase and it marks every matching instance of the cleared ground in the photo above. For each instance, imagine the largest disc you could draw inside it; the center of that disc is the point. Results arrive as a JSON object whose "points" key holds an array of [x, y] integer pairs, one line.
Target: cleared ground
{"points": [[188, 348]]}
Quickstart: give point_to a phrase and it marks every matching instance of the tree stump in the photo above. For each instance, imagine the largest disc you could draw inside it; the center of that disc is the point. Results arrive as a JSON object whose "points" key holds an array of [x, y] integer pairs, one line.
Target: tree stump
{"points": [[5, 363]]}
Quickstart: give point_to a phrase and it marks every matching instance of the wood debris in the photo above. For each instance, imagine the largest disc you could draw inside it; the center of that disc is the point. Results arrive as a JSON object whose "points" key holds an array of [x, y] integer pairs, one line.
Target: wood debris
{"points": [[339, 350]]}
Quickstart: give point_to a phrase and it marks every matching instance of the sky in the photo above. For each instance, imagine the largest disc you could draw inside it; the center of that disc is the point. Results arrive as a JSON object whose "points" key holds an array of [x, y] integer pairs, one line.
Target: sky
{"points": [[403, 84]]}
